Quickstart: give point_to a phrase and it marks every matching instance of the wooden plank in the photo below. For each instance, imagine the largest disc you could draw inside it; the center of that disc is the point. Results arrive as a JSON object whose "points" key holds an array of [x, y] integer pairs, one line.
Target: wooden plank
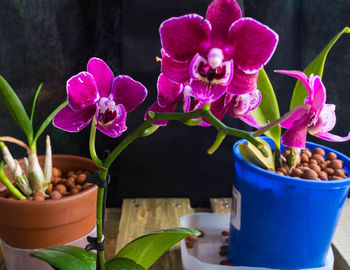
{"points": [[141, 216], [111, 230], [341, 241], [221, 205]]}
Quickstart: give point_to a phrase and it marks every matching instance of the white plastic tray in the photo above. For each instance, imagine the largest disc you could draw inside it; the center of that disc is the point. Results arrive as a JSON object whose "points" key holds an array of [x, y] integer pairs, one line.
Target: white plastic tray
{"points": [[205, 254]]}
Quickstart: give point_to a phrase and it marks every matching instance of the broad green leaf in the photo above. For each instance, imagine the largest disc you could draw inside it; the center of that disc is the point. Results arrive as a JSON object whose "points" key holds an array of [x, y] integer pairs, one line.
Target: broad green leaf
{"points": [[145, 250], [15, 107], [252, 154], [33, 103], [67, 258], [123, 264], [47, 121], [268, 110], [316, 67]]}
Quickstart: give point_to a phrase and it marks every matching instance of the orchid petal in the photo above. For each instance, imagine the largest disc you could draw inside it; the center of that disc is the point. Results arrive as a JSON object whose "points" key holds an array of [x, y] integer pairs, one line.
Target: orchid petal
{"points": [[221, 14], [184, 36], [298, 75], [326, 120], [331, 137], [196, 62], [117, 127], [82, 91], [296, 135], [73, 121], [167, 91], [319, 95], [250, 120], [102, 74], [253, 44], [242, 82], [176, 71], [128, 92], [207, 93], [156, 108], [297, 115], [255, 99]]}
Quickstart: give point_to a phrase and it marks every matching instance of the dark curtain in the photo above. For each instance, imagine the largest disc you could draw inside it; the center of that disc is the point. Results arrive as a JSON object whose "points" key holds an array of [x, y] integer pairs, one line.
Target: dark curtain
{"points": [[49, 41]]}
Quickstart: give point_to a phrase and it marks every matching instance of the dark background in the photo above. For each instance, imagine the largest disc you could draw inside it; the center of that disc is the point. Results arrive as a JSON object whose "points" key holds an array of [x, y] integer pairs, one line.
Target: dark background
{"points": [[49, 41]]}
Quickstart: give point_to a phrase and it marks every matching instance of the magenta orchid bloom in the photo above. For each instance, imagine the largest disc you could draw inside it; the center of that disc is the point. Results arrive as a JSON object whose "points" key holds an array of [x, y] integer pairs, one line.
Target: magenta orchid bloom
{"points": [[317, 119], [96, 93], [222, 53]]}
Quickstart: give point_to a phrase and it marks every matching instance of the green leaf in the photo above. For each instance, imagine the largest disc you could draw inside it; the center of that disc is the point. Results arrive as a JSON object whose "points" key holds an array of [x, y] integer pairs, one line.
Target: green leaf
{"points": [[67, 258], [33, 103], [253, 155], [268, 110], [47, 121], [145, 250], [15, 107], [123, 264], [316, 67]]}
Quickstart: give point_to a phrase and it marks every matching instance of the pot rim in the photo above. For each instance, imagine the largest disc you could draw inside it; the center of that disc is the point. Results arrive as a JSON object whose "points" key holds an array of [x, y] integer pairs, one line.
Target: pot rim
{"points": [[333, 184]]}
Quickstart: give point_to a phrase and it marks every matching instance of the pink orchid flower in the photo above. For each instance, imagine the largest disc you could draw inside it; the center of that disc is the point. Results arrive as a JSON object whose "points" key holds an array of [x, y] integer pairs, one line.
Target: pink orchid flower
{"points": [[317, 119], [218, 54], [96, 93]]}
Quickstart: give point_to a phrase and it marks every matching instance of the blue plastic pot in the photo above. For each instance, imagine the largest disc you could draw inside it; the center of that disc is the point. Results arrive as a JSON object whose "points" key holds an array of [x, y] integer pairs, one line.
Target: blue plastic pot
{"points": [[284, 222]]}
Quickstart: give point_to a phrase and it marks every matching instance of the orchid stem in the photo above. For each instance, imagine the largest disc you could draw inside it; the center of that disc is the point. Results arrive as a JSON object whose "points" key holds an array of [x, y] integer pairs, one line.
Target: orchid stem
{"points": [[261, 131], [92, 148]]}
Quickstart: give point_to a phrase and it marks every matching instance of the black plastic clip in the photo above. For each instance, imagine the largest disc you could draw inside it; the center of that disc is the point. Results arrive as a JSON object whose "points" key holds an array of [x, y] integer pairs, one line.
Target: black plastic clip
{"points": [[95, 179], [94, 244]]}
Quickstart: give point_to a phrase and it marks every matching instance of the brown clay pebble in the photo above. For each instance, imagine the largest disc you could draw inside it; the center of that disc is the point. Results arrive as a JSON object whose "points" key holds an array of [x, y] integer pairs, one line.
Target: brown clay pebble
{"points": [[224, 233], [222, 253], [56, 172], [55, 195], [315, 168], [39, 198], [282, 170], [30, 198], [340, 173], [307, 152], [331, 156], [319, 151], [62, 181], [297, 172], [60, 188], [70, 183], [304, 158], [79, 187], [49, 189], [81, 179], [86, 172], [280, 173], [329, 171], [323, 175], [189, 244], [323, 166], [336, 177], [55, 180], [312, 161], [66, 193], [86, 186], [74, 191], [310, 174], [225, 262], [70, 173], [318, 157], [336, 164], [202, 234], [190, 238]]}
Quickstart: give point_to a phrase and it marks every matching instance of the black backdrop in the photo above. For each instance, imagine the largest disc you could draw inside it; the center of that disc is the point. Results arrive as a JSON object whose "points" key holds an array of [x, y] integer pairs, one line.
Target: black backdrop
{"points": [[49, 41]]}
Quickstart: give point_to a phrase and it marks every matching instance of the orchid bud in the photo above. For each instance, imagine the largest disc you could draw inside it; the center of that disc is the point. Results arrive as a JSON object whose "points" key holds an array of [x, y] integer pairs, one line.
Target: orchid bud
{"points": [[48, 162]]}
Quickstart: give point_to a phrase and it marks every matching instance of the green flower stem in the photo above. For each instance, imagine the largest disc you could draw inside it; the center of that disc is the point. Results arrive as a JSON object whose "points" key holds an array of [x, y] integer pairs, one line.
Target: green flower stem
{"points": [[8, 184], [92, 149], [280, 120], [99, 218]]}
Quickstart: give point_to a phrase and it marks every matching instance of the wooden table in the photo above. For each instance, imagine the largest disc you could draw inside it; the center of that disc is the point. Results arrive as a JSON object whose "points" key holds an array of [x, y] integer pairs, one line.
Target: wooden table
{"points": [[140, 216]]}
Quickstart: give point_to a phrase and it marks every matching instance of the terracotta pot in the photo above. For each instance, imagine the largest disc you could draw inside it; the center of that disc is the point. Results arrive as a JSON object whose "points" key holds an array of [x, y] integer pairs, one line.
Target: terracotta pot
{"points": [[33, 225]]}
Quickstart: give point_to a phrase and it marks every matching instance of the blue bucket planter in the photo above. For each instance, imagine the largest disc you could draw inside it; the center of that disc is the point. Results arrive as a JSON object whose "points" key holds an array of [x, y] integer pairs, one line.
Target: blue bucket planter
{"points": [[282, 222]]}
